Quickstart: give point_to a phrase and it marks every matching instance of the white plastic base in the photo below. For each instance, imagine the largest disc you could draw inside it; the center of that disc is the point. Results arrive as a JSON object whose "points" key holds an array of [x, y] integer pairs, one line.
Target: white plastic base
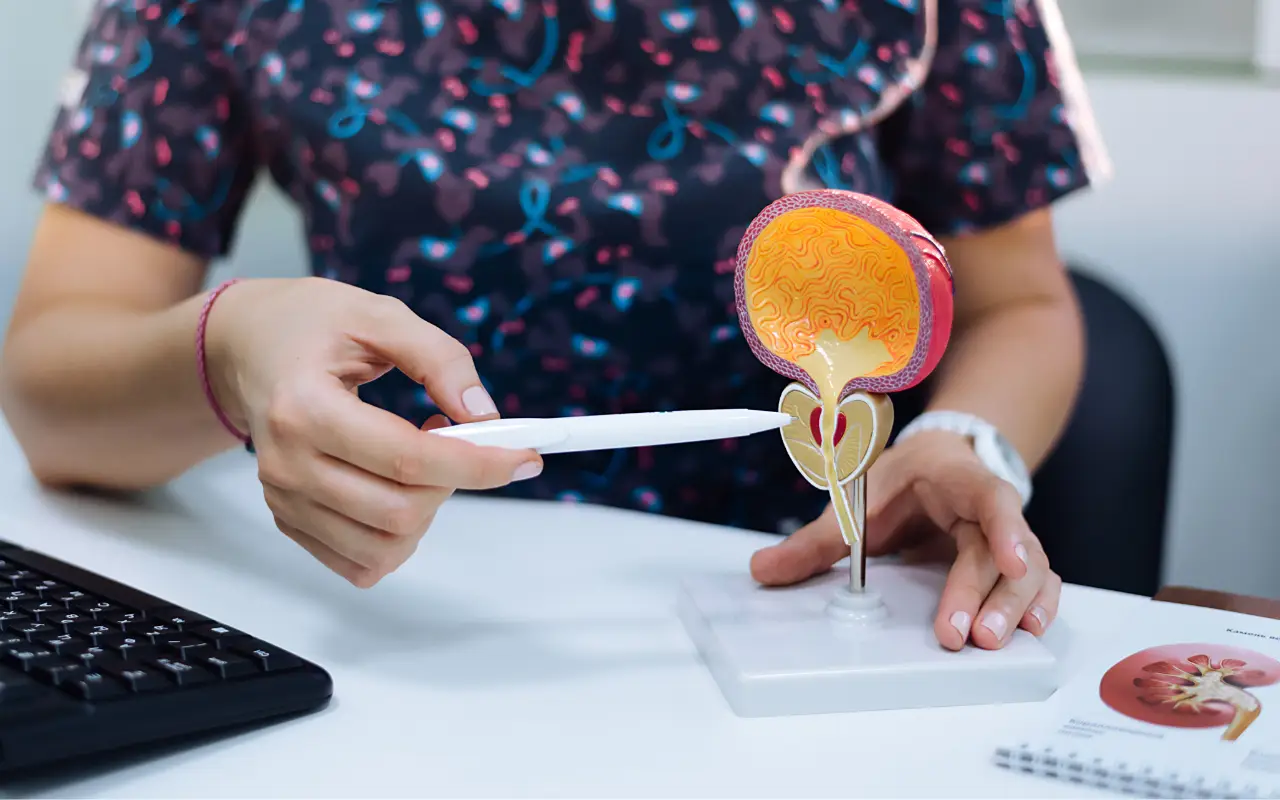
{"points": [[815, 648]]}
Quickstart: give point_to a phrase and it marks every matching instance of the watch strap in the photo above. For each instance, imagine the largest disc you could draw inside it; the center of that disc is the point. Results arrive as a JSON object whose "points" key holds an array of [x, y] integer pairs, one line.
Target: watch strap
{"points": [[1013, 469]]}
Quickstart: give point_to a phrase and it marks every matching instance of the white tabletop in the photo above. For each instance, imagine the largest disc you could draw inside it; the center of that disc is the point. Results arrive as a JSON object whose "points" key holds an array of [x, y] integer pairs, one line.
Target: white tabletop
{"points": [[526, 650]]}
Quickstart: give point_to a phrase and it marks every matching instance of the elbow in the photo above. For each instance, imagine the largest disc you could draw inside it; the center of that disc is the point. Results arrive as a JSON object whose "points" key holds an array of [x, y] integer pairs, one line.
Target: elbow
{"points": [[30, 423], [57, 460], [19, 401], [59, 452]]}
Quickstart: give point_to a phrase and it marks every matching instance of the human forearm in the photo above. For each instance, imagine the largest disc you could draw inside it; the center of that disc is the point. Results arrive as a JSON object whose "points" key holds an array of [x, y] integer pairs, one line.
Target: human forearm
{"points": [[1018, 367], [107, 396], [1017, 349]]}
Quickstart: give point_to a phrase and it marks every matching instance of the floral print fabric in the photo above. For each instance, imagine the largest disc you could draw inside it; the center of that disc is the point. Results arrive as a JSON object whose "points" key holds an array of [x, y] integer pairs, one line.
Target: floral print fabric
{"points": [[561, 184]]}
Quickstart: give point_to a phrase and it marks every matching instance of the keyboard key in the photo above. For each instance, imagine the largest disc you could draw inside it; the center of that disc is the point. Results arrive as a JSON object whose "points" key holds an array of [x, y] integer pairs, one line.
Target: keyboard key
{"points": [[93, 631], [9, 620], [37, 630], [15, 576], [122, 620], [34, 664], [11, 599], [92, 685], [43, 587], [16, 685], [94, 607], [268, 657], [105, 661], [91, 654], [20, 657], [63, 644], [219, 636], [37, 608], [9, 641], [66, 620], [156, 631], [181, 672], [68, 597], [185, 645], [225, 665], [126, 646], [57, 670], [137, 678], [179, 618]]}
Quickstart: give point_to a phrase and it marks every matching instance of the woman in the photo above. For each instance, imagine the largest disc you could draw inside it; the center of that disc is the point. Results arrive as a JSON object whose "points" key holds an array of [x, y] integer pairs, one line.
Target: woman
{"points": [[532, 209]]}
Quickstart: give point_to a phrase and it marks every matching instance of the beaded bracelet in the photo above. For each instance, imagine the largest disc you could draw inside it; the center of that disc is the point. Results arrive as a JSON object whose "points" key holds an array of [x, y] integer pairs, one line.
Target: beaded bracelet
{"points": [[202, 360]]}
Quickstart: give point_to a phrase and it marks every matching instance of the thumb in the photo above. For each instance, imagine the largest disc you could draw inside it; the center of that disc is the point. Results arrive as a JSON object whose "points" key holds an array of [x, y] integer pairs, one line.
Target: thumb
{"points": [[428, 355], [809, 551], [890, 502], [435, 422]]}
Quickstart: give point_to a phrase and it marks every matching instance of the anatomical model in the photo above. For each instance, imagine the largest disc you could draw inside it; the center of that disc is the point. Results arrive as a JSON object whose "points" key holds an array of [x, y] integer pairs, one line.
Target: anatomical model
{"points": [[852, 299]]}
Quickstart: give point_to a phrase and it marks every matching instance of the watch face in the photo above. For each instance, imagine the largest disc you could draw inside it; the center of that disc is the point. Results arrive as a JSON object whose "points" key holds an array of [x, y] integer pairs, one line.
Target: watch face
{"points": [[1007, 452], [1007, 462], [1010, 456]]}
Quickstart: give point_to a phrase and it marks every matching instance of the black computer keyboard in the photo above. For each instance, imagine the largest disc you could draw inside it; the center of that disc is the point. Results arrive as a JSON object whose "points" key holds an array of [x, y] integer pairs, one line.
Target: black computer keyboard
{"points": [[89, 665]]}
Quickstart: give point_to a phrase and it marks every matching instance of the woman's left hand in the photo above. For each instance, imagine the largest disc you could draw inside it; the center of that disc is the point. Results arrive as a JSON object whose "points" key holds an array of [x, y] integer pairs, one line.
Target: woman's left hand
{"points": [[931, 497]]}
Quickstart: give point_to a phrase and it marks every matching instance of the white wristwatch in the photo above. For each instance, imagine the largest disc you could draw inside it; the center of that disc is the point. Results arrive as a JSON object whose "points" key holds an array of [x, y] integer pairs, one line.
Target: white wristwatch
{"points": [[993, 450]]}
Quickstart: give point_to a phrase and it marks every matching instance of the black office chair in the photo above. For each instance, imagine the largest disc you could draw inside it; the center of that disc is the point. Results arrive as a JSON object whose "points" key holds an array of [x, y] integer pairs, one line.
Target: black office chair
{"points": [[1100, 499]]}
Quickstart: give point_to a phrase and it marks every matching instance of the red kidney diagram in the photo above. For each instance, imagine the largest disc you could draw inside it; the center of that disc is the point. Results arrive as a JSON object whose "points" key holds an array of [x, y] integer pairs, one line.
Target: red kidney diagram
{"points": [[1191, 686]]}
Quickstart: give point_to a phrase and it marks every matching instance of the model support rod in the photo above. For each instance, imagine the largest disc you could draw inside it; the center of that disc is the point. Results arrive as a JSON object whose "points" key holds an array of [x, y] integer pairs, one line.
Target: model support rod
{"points": [[858, 548]]}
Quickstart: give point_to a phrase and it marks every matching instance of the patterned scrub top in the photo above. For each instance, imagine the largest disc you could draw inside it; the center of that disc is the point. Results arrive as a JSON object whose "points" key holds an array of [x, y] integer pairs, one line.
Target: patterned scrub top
{"points": [[562, 184]]}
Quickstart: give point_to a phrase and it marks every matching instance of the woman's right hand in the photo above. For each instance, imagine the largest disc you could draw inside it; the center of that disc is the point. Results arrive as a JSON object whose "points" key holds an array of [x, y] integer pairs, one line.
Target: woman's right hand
{"points": [[354, 485]]}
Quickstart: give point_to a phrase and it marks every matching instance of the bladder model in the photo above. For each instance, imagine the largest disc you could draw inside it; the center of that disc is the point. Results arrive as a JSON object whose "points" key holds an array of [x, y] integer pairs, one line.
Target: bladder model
{"points": [[851, 298]]}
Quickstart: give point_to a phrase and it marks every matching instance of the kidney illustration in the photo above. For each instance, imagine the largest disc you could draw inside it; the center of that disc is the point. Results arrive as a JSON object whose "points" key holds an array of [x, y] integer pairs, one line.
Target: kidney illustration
{"points": [[851, 299], [1191, 686]]}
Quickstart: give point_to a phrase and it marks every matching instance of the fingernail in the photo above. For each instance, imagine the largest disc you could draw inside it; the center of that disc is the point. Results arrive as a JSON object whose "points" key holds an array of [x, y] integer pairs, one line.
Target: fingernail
{"points": [[527, 470], [960, 621], [478, 401], [1040, 616], [1021, 553], [995, 622]]}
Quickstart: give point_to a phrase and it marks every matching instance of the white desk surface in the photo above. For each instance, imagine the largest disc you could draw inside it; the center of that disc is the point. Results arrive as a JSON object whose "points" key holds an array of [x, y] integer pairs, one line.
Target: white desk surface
{"points": [[526, 650]]}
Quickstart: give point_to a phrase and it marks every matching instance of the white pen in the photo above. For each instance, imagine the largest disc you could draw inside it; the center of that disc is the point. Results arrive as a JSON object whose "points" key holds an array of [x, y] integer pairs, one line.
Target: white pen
{"points": [[616, 431]]}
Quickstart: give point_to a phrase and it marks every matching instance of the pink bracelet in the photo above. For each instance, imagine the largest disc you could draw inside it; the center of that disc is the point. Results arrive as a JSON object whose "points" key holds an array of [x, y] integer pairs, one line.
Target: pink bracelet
{"points": [[202, 360]]}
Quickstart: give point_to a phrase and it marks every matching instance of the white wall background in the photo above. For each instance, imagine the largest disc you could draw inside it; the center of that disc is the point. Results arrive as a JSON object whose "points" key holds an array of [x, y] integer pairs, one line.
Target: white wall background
{"points": [[1188, 228]]}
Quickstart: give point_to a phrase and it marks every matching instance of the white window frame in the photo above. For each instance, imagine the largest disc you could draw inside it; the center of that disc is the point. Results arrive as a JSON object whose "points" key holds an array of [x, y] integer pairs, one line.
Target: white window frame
{"points": [[1266, 49], [84, 10], [1256, 47]]}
